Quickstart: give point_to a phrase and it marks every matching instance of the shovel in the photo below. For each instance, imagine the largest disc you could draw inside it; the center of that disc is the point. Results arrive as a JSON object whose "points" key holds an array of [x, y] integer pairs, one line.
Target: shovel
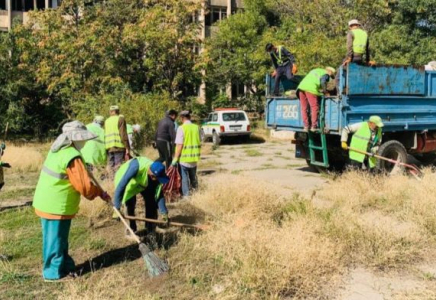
{"points": [[412, 169]]}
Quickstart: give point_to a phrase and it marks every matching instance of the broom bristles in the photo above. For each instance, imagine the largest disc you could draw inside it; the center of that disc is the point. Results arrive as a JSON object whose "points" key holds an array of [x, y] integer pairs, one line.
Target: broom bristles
{"points": [[155, 265]]}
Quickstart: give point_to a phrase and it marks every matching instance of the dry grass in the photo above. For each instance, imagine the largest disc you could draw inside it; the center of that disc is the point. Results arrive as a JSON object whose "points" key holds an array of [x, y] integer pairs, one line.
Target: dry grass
{"points": [[24, 159]]}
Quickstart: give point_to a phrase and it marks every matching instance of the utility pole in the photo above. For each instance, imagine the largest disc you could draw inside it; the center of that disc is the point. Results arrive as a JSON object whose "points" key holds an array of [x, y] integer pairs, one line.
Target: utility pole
{"points": [[46, 4], [9, 6]]}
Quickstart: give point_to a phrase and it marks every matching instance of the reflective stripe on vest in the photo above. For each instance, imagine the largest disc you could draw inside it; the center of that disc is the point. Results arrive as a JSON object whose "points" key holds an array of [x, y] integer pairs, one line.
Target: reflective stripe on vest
{"points": [[312, 82], [360, 40], [361, 141], [94, 151], [279, 58], [112, 133], [54, 193], [54, 174], [137, 184], [191, 144]]}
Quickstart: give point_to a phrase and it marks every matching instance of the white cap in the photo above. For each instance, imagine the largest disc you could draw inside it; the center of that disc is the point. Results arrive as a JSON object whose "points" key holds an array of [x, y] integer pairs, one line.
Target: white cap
{"points": [[136, 127], [354, 22]]}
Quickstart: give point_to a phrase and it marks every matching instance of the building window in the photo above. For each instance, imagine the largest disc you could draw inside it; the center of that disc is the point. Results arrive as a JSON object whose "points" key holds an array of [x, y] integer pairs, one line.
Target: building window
{"points": [[2, 4], [215, 14]]}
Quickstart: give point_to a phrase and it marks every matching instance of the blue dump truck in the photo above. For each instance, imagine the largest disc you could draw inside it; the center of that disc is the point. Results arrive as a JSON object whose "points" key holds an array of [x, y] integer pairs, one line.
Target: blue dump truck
{"points": [[403, 96]]}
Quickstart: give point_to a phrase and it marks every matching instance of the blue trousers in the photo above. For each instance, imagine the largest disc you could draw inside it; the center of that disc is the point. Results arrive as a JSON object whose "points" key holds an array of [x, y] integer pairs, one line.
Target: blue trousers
{"points": [[189, 179], [56, 261]]}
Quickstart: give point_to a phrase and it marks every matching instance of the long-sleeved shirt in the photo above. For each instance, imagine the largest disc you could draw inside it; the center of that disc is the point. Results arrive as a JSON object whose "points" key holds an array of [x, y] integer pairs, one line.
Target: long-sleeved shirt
{"points": [[353, 129], [166, 130], [79, 179], [120, 189], [122, 127], [287, 57], [350, 52], [323, 80]]}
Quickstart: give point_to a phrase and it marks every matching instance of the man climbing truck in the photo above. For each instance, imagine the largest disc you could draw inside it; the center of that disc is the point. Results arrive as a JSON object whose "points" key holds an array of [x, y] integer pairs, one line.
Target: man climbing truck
{"points": [[367, 137], [404, 97]]}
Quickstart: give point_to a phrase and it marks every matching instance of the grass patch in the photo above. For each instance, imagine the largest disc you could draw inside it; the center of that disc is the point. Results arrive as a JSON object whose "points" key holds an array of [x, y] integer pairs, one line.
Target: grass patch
{"points": [[252, 152], [18, 194], [236, 172], [278, 153]]}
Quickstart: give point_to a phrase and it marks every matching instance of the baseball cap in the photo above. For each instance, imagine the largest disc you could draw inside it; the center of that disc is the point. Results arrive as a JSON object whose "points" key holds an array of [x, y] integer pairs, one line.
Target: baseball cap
{"points": [[185, 113], [377, 121], [353, 22], [158, 170], [114, 107]]}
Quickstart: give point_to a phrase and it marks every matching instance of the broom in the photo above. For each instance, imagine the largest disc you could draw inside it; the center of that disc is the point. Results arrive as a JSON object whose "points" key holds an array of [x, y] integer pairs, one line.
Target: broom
{"points": [[154, 264]]}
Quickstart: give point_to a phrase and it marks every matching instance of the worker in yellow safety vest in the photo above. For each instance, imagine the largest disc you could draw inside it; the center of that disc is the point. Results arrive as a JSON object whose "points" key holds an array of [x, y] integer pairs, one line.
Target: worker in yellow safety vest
{"points": [[367, 137], [116, 139], [284, 64], [62, 181], [357, 44], [188, 149], [94, 151]]}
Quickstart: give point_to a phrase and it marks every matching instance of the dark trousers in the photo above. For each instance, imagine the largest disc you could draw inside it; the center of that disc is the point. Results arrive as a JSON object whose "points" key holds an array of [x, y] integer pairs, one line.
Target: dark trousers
{"points": [[285, 70], [189, 179], [114, 160], [150, 208], [165, 150]]}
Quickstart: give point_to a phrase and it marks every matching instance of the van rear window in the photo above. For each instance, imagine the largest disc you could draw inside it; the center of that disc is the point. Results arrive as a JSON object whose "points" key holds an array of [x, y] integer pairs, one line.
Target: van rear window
{"points": [[236, 116]]}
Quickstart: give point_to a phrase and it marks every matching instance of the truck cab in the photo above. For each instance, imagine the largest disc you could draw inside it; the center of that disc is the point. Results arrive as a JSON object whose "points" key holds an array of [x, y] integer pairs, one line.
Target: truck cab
{"points": [[403, 96]]}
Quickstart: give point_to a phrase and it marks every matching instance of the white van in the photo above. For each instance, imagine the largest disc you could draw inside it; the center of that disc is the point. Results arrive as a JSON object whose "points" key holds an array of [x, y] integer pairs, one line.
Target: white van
{"points": [[224, 123]]}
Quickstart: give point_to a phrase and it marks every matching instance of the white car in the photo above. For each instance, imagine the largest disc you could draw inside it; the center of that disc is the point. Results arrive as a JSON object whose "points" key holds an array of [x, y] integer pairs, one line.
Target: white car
{"points": [[224, 123]]}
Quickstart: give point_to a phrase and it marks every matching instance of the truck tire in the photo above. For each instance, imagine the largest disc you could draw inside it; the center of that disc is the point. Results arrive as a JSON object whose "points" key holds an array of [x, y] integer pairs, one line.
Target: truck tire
{"points": [[216, 139], [393, 150]]}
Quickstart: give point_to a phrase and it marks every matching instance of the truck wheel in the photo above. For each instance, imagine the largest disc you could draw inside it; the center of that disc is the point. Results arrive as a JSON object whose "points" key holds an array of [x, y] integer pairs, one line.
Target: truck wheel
{"points": [[216, 139], [393, 150]]}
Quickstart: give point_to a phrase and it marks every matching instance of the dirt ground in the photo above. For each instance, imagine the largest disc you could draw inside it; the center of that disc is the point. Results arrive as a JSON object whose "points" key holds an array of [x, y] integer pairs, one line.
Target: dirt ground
{"points": [[275, 163]]}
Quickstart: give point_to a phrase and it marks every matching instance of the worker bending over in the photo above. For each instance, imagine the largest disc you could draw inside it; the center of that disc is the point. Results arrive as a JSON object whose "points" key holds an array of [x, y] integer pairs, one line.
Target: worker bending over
{"points": [[357, 44], [56, 201], [367, 137], [283, 62], [313, 85], [141, 175], [188, 150], [2, 165], [94, 151]]}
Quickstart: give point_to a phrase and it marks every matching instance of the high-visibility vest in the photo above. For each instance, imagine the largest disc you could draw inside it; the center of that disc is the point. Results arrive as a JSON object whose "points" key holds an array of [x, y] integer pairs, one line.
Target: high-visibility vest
{"points": [[362, 141], [312, 82], [359, 41], [280, 60], [137, 184], [129, 128], [54, 193], [94, 151], [191, 144], [112, 136]]}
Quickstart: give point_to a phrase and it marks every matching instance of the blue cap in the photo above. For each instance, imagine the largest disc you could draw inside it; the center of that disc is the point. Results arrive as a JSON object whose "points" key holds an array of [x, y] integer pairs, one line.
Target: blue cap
{"points": [[158, 170]]}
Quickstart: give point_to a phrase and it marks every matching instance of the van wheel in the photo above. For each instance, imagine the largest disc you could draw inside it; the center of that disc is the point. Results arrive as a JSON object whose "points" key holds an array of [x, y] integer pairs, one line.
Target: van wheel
{"points": [[393, 150], [216, 139]]}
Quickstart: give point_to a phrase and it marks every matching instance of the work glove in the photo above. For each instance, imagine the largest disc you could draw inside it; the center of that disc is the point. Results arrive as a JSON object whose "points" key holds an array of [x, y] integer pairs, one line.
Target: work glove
{"points": [[166, 219], [5, 165], [174, 162], [374, 150], [344, 145], [105, 197]]}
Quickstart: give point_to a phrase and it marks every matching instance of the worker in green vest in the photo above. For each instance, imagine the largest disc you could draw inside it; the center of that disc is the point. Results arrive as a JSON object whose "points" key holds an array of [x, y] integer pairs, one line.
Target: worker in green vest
{"points": [[313, 85], [284, 64], [188, 149], [357, 44], [56, 201], [141, 175], [94, 151], [116, 139], [2, 165], [367, 137]]}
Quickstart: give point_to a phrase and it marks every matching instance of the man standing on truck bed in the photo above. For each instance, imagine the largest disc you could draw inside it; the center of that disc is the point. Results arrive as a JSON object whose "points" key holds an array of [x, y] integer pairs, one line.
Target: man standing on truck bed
{"points": [[283, 62], [367, 137], [309, 90], [357, 44]]}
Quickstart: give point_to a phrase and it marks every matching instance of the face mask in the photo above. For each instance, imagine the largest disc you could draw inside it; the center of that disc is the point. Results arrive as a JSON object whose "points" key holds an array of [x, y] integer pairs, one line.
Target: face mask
{"points": [[79, 144]]}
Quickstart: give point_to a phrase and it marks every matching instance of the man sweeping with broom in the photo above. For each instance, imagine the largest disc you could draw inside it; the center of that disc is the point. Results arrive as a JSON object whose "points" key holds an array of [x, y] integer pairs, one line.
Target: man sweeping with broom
{"points": [[57, 196]]}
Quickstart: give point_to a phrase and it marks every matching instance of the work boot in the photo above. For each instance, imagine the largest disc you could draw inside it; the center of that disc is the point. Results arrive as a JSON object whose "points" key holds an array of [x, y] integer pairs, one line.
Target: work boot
{"points": [[306, 129]]}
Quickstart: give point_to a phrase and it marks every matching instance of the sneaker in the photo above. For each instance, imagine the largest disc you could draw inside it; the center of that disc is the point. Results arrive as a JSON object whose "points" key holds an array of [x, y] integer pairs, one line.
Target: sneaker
{"points": [[314, 129], [306, 129], [71, 276]]}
